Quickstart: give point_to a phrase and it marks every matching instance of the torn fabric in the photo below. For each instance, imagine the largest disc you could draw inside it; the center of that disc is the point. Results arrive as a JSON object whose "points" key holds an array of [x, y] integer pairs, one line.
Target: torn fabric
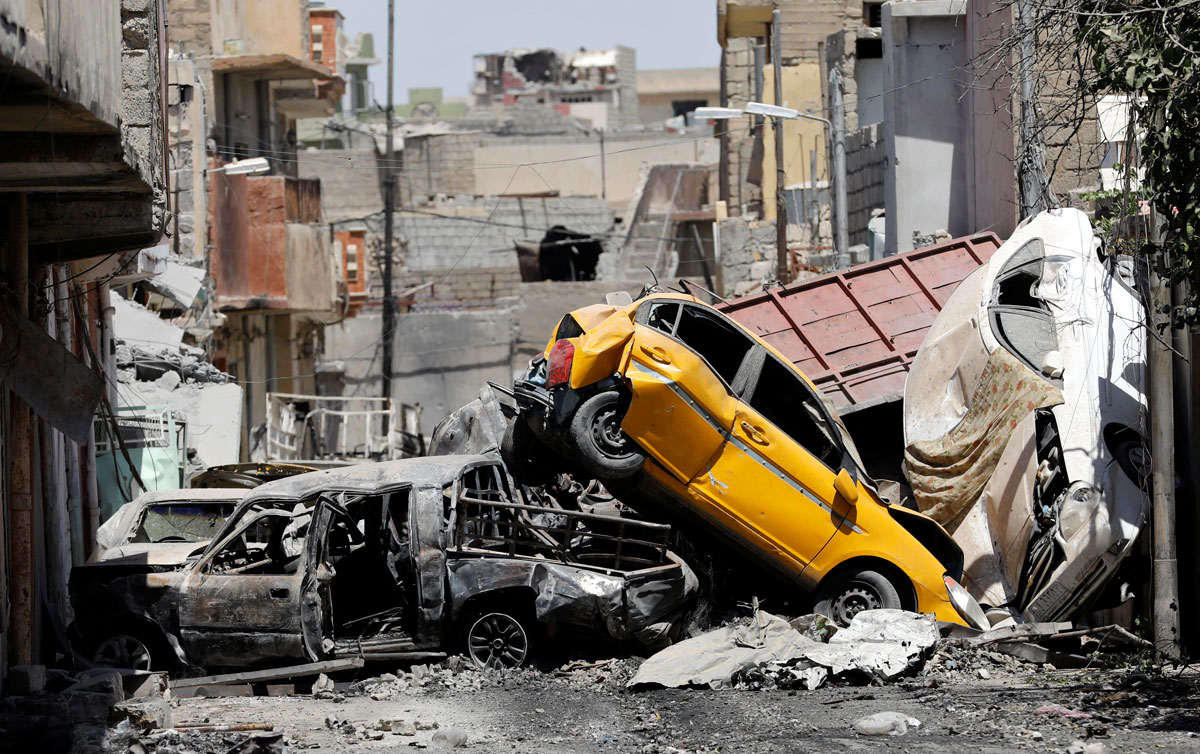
{"points": [[948, 473]]}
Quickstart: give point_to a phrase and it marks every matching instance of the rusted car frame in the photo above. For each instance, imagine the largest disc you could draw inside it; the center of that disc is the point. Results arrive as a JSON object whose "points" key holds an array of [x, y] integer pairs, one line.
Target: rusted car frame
{"points": [[412, 556]]}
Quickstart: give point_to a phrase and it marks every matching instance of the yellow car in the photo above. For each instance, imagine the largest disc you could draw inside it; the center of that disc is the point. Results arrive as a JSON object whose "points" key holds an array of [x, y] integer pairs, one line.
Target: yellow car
{"points": [[694, 412]]}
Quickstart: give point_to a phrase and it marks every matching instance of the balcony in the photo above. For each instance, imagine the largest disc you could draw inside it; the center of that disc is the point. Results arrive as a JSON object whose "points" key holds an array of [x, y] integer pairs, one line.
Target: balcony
{"points": [[270, 246]]}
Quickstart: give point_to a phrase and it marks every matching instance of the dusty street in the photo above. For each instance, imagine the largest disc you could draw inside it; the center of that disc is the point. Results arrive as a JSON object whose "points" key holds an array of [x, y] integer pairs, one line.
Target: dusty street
{"points": [[589, 710]]}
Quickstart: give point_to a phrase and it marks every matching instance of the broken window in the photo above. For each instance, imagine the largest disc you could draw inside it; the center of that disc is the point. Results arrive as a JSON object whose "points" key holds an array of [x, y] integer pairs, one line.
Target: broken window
{"points": [[270, 542], [784, 399], [181, 523], [722, 345], [1020, 318]]}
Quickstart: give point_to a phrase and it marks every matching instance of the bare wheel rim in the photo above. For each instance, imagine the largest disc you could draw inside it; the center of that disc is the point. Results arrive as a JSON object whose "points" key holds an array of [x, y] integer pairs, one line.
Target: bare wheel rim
{"points": [[855, 598], [122, 651], [497, 640], [607, 434]]}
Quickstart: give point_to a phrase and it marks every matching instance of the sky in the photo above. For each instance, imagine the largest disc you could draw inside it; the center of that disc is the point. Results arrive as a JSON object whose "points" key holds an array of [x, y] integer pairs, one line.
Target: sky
{"points": [[436, 39]]}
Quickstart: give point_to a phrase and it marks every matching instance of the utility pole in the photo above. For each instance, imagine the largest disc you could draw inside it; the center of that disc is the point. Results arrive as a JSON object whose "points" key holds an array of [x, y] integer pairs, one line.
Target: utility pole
{"points": [[782, 263], [389, 207], [838, 127], [1165, 569], [1031, 162], [603, 175]]}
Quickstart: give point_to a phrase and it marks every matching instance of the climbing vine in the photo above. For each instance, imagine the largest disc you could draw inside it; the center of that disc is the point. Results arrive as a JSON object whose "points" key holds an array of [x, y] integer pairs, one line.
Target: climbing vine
{"points": [[1150, 50]]}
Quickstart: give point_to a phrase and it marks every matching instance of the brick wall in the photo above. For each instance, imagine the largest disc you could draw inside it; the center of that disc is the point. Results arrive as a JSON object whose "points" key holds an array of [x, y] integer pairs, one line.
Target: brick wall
{"points": [[189, 26], [806, 23], [737, 142], [457, 289], [864, 179], [466, 233], [437, 164]]}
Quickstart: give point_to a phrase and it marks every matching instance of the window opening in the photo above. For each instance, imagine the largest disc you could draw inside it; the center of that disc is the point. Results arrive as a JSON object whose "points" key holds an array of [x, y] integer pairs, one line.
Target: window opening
{"points": [[786, 401]]}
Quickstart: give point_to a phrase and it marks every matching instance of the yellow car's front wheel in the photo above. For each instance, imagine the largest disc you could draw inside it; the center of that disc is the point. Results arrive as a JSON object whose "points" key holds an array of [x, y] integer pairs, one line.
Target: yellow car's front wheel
{"points": [[843, 597], [603, 447]]}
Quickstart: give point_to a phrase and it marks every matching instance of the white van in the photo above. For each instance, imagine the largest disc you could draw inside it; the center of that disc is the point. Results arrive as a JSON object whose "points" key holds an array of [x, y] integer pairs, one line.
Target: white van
{"points": [[1025, 419]]}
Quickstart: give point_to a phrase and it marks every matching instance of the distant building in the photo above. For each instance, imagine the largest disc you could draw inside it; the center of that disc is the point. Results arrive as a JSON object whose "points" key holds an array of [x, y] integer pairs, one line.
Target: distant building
{"points": [[673, 92], [597, 85]]}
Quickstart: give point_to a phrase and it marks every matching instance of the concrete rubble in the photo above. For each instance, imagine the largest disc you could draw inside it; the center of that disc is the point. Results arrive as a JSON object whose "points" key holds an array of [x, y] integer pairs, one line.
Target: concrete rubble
{"points": [[768, 650]]}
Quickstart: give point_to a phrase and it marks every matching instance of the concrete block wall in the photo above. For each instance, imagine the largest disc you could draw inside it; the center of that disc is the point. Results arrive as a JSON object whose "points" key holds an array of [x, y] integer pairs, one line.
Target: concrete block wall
{"points": [[480, 232], [737, 142], [627, 112], [865, 160], [747, 255], [437, 164], [142, 117], [459, 289]]}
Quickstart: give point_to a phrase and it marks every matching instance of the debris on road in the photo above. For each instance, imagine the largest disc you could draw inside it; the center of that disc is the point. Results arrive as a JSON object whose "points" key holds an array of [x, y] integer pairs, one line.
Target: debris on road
{"points": [[885, 724], [768, 650]]}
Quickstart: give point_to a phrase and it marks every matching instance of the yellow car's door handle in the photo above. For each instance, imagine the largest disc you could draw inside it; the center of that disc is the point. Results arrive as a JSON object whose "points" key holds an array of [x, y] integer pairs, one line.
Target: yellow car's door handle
{"points": [[755, 434], [656, 353]]}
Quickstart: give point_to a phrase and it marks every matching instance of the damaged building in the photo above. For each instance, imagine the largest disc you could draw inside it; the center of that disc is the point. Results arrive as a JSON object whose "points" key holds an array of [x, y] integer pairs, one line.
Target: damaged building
{"points": [[84, 196]]}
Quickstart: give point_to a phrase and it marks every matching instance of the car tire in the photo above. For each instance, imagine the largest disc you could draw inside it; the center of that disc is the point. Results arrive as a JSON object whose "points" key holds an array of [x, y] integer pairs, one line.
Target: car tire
{"points": [[527, 457], [131, 647], [603, 448], [499, 639], [841, 598]]}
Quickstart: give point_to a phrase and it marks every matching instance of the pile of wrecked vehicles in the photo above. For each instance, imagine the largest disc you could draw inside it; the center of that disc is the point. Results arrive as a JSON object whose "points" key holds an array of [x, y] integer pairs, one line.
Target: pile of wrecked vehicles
{"points": [[1024, 499]]}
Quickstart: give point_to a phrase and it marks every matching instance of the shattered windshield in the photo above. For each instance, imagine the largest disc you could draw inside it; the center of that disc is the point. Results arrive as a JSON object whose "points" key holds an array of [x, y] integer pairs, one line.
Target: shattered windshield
{"points": [[181, 522]]}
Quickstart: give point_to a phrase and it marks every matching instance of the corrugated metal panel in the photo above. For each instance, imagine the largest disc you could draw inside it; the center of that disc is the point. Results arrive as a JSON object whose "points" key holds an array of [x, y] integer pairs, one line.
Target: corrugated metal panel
{"points": [[855, 332]]}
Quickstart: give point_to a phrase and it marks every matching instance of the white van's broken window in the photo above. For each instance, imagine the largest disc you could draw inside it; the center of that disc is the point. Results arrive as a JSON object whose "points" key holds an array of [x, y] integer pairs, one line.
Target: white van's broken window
{"points": [[1021, 319]]}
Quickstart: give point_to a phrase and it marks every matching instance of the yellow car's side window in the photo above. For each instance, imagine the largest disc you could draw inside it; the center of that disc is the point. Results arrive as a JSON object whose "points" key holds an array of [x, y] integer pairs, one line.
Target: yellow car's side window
{"points": [[785, 401], [722, 346]]}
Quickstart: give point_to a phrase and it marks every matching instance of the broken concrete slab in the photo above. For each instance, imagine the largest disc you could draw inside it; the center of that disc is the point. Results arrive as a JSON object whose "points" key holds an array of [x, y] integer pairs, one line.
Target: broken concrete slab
{"points": [[883, 644]]}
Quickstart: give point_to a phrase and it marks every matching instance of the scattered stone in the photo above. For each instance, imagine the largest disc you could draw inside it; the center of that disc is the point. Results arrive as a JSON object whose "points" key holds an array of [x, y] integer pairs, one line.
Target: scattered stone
{"points": [[1081, 747], [885, 724], [450, 738], [26, 679], [984, 674], [145, 714]]}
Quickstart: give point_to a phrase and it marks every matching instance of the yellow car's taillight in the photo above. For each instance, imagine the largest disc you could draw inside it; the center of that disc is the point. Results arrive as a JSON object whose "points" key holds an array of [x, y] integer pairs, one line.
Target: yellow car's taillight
{"points": [[558, 371]]}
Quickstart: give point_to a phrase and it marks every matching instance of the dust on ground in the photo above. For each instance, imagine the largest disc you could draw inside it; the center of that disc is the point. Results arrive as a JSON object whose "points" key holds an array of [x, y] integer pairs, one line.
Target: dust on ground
{"points": [[965, 699]]}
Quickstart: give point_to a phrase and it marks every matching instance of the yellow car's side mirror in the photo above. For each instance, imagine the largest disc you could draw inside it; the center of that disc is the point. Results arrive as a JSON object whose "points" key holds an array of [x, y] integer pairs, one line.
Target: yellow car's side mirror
{"points": [[845, 486]]}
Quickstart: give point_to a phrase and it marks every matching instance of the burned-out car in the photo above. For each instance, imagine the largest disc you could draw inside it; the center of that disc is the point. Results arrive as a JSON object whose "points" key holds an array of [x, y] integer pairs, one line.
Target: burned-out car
{"points": [[699, 418], [1024, 414], [165, 527], [395, 560]]}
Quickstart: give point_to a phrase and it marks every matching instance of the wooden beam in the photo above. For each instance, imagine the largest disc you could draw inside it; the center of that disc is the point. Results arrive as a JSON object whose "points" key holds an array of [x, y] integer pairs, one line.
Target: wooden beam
{"points": [[273, 674]]}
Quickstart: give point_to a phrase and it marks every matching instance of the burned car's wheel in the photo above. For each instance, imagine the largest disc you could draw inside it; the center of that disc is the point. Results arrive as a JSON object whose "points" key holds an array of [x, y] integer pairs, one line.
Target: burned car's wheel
{"points": [[498, 640], [843, 598], [124, 650], [604, 448], [526, 456]]}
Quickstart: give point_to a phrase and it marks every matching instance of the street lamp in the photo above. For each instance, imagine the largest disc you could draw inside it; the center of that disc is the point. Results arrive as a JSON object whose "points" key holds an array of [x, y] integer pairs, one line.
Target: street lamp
{"points": [[251, 166], [787, 113]]}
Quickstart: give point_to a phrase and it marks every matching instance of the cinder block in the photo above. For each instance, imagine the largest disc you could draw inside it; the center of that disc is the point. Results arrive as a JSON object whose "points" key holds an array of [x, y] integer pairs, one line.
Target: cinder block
{"points": [[26, 679]]}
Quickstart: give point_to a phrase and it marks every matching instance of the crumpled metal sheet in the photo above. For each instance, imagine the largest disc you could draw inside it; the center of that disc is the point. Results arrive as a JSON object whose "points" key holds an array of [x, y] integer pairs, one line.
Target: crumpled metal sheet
{"points": [[475, 428], [569, 594], [881, 643]]}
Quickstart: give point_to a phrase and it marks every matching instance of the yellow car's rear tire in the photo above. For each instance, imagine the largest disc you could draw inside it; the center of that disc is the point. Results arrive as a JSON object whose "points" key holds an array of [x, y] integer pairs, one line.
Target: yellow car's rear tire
{"points": [[602, 447], [843, 597]]}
